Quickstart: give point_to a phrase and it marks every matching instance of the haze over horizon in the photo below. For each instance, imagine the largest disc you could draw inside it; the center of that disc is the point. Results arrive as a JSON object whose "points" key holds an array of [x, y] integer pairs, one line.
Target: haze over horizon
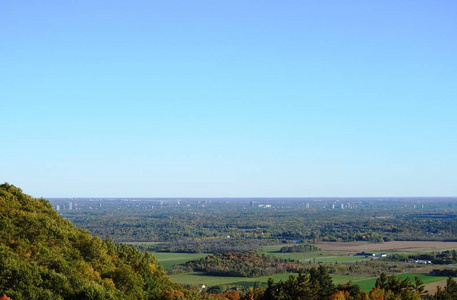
{"points": [[229, 99]]}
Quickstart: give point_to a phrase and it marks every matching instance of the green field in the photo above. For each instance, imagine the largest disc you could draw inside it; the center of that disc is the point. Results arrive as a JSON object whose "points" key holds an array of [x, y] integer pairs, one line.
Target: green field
{"points": [[368, 284], [142, 243], [327, 256], [301, 256], [345, 278], [341, 258], [275, 250], [194, 278], [168, 260], [365, 283]]}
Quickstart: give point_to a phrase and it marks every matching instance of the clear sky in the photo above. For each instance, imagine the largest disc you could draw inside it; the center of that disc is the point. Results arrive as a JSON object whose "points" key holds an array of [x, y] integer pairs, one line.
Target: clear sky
{"points": [[229, 98]]}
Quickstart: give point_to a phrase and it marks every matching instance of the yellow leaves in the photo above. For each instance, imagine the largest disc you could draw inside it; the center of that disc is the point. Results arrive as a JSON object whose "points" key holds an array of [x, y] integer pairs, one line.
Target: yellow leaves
{"points": [[377, 294], [173, 295], [340, 295], [152, 267], [87, 271], [232, 295], [12, 241], [109, 282]]}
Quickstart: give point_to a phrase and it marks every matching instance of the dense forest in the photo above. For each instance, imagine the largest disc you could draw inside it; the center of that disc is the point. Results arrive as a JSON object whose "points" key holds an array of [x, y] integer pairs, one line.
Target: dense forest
{"points": [[204, 225], [43, 256]]}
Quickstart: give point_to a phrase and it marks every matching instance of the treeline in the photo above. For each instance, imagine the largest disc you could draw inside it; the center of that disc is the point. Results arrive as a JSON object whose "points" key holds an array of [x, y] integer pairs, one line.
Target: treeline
{"points": [[188, 245], [444, 272], [240, 264], [299, 248], [439, 258]]}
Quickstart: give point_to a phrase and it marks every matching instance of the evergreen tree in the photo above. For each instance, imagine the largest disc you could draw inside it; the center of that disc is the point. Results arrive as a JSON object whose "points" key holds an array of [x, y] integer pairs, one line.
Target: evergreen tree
{"points": [[449, 292], [322, 282]]}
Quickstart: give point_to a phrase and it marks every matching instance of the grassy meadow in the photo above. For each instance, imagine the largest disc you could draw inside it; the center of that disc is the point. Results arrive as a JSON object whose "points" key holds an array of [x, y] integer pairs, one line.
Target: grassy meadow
{"points": [[339, 254], [168, 260], [368, 284], [365, 283], [314, 256]]}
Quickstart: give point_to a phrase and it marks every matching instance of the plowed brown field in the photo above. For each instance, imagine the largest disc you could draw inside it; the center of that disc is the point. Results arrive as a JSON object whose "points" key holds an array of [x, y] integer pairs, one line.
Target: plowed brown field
{"points": [[416, 246]]}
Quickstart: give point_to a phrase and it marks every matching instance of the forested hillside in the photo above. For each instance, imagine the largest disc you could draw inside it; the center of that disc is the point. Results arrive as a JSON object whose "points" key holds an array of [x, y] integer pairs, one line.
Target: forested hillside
{"points": [[43, 256]]}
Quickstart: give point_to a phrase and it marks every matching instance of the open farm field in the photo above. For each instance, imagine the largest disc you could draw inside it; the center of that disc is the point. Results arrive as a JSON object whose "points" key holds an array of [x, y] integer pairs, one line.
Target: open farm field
{"points": [[321, 255], [318, 256], [396, 246], [433, 286], [345, 249], [300, 256], [168, 260], [142, 243], [368, 284], [194, 278], [341, 252], [341, 258], [331, 252]]}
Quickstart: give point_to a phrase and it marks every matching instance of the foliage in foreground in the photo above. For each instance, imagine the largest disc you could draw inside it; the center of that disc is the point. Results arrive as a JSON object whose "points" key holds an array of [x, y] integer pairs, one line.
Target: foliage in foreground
{"points": [[318, 285], [43, 256]]}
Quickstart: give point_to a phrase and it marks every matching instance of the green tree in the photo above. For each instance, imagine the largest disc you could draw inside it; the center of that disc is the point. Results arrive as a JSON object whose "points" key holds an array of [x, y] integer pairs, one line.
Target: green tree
{"points": [[449, 292], [43, 256], [322, 282]]}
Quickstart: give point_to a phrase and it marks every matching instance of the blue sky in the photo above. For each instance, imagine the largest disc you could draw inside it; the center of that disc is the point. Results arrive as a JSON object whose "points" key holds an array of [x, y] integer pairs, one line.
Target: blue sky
{"points": [[229, 98]]}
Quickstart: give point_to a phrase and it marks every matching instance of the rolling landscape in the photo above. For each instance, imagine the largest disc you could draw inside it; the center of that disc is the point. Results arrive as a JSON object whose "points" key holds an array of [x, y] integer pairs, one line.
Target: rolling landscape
{"points": [[228, 150], [44, 256]]}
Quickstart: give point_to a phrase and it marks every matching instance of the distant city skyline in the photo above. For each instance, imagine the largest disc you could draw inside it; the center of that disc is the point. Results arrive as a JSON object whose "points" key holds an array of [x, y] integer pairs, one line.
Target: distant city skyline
{"points": [[229, 98]]}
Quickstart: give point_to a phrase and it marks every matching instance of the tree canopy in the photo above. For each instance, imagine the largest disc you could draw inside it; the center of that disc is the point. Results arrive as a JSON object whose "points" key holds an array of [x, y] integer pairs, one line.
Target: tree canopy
{"points": [[43, 256]]}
